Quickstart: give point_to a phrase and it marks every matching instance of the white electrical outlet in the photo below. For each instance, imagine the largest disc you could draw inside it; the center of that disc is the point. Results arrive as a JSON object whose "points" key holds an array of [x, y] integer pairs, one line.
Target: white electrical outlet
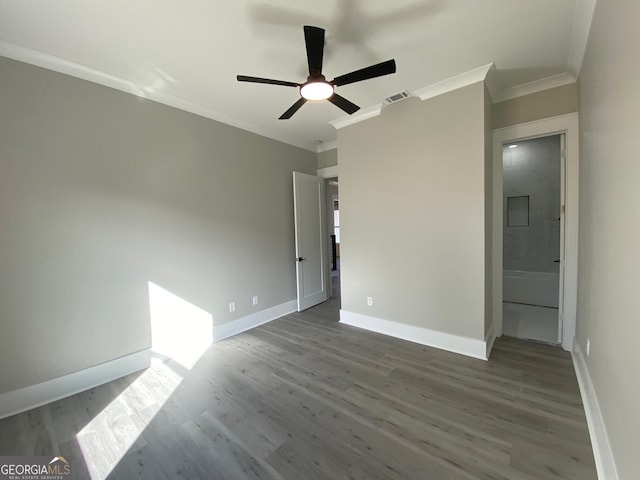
{"points": [[588, 347], [232, 306], [255, 300], [370, 301]]}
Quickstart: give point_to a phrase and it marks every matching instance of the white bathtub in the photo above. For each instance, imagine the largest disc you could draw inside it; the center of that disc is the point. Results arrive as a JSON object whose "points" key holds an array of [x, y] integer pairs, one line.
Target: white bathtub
{"points": [[532, 288]]}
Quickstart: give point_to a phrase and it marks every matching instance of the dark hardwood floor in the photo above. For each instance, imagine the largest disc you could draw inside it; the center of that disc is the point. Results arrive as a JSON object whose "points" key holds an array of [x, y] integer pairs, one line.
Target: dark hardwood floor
{"points": [[304, 398]]}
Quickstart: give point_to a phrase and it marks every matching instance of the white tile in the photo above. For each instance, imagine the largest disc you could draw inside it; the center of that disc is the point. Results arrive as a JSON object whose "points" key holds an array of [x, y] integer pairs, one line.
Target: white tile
{"points": [[530, 322]]}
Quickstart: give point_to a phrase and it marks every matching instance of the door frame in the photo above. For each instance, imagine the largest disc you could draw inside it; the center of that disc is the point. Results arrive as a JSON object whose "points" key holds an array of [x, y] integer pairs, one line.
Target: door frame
{"points": [[563, 226], [569, 125], [328, 173]]}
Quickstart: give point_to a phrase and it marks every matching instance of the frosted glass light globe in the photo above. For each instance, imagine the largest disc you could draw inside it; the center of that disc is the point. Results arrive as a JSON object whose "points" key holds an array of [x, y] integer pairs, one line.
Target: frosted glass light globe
{"points": [[316, 90]]}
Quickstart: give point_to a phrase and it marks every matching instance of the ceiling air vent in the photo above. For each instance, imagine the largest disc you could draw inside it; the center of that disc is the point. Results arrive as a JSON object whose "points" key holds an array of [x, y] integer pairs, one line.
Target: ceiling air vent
{"points": [[396, 98]]}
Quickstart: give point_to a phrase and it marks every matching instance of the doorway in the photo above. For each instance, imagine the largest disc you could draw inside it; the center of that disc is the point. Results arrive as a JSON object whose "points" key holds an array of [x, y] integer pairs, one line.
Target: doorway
{"points": [[333, 196], [309, 212], [568, 125], [533, 235]]}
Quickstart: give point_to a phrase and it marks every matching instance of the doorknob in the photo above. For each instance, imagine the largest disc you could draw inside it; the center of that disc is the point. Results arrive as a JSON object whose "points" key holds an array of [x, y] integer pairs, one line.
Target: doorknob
{"points": [[301, 259]]}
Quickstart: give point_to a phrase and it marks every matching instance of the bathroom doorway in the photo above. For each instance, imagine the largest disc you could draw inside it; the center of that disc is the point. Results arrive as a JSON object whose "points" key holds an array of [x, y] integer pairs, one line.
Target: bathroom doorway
{"points": [[533, 235]]}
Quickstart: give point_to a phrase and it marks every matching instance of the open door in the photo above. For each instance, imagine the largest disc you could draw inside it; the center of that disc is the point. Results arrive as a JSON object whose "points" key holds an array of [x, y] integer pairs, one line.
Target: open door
{"points": [[563, 201], [311, 243]]}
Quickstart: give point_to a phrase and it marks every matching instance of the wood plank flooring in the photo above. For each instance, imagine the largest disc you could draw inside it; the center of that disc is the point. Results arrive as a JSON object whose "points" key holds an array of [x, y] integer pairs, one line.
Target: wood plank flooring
{"points": [[306, 398]]}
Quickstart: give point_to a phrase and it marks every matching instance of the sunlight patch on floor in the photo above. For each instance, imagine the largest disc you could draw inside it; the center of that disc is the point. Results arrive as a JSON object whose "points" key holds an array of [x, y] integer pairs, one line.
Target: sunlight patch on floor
{"points": [[181, 331], [108, 436]]}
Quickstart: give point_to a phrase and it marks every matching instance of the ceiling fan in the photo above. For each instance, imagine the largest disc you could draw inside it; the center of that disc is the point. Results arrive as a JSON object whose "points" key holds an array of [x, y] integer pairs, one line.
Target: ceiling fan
{"points": [[317, 87]]}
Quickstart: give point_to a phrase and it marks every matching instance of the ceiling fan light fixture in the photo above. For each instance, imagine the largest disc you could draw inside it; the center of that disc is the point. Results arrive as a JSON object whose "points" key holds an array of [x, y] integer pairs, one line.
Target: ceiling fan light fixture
{"points": [[316, 90]]}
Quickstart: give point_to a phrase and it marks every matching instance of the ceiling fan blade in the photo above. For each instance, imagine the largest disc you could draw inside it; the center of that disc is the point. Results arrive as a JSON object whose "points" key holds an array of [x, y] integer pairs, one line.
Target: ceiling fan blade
{"points": [[377, 70], [314, 39], [343, 103], [293, 109], [268, 81]]}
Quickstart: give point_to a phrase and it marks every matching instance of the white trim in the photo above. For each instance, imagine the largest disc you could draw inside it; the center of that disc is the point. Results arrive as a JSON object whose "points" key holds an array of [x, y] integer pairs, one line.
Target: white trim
{"points": [[492, 83], [60, 65], [33, 396], [432, 338], [534, 87], [73, 69], [568, 124], [360, 116], [602, 452], [563, 225], [324, 146], [226, 330], [580, 34], [464, 79], [454, 83], [489, 340], [328, 172]]}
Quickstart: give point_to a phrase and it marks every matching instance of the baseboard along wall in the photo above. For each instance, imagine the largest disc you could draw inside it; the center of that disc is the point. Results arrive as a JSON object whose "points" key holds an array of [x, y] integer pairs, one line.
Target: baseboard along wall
{"points": [[432, 338], [489, 340], [602, 452], [23, 399], [33, 396], [243, 324]]}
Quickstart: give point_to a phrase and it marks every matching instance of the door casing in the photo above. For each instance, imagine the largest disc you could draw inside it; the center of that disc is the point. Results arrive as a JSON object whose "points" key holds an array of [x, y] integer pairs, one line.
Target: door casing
{"points": [[569, 125]]}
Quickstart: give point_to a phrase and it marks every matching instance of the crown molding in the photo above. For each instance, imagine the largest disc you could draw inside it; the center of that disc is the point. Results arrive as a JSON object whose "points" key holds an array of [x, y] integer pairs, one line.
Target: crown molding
{"points": [[534, 87], [454, 83], [580, 34], [487, 73], [361, 116], [464, 79], [50, 62], [492, 83], [325, 146]]}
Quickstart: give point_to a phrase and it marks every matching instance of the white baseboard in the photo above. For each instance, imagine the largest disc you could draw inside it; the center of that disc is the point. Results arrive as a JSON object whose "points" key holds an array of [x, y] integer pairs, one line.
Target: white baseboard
{"points": [[489, 340], [243, 324], [602, 452], [432, 338], [33, 396]]}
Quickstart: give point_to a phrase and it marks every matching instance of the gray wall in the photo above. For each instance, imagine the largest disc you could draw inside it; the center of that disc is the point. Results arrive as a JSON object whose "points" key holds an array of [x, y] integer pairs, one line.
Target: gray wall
{"points": [[536, 106], [609, 273], [412, 209], [533, 169], [328, 158], [102, 192]]}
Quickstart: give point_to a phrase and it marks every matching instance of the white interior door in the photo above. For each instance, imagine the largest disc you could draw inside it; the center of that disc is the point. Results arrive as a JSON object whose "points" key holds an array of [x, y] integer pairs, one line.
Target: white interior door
{"points": [[311, 242], [563, 194]]}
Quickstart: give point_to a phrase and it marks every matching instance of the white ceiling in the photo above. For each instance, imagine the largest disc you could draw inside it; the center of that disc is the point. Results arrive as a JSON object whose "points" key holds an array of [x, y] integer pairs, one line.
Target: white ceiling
{"points": [[187, 54]]}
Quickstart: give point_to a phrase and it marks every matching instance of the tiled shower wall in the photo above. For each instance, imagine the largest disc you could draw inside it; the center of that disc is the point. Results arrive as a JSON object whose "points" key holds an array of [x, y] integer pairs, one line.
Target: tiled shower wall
{"points": [[533, 169]]}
